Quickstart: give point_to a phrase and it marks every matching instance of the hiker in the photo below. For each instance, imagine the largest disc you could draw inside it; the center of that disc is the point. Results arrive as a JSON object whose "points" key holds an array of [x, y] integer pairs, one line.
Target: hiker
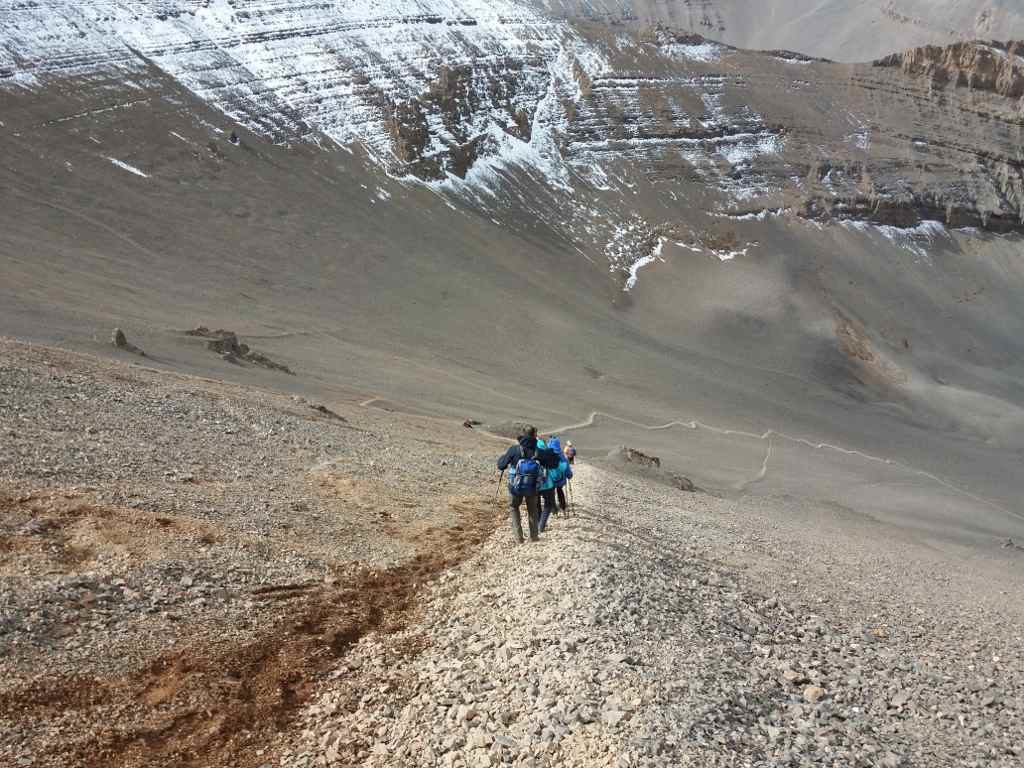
{"points": [[550, 460], [570, 452], [525, 476], [564, 471]]}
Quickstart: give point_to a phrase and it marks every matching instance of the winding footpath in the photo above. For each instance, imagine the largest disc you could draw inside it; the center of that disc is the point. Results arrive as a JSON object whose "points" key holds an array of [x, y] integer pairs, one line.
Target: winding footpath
{"points": [[771, 434]]}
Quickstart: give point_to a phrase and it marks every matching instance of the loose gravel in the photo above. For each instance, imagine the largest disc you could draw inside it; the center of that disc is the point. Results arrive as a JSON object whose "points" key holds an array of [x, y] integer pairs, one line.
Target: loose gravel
{"points": [[172, 545], [647, 631], [194, 573]]}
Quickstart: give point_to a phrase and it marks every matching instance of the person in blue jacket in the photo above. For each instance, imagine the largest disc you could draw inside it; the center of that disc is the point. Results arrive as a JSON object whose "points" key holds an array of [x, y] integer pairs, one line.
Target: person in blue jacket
{"points": [[552, 478], [564, 471]]}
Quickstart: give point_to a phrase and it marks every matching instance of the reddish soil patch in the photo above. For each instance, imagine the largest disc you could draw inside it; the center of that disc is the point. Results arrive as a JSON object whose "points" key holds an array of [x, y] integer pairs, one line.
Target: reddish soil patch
{"points": [[225, 704], [62, 531]]}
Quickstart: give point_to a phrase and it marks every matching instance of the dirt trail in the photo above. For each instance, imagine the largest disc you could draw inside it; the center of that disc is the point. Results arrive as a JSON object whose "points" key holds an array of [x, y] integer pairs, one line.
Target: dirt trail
{"points": [[224, 705]]}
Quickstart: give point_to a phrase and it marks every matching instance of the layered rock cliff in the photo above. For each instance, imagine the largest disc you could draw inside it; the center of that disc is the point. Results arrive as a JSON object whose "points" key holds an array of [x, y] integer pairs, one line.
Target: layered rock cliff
{"points": [[994, 66], [618, 138]]}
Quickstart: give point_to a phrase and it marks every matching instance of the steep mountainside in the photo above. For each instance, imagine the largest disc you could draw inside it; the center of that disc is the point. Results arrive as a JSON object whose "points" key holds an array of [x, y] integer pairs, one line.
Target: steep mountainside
{"points": [[836, 29], [476, 208], [444, 90]]}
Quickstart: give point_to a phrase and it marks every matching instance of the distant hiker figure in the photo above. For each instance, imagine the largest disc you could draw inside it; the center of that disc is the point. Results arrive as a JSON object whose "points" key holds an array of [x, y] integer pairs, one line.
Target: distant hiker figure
{"points": [[549, 460], [570, 452], [525, 476], [564, 472]]}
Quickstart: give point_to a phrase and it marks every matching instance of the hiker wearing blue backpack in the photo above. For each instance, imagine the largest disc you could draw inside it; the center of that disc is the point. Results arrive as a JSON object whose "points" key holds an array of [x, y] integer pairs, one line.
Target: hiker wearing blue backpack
{"points": [[564, 472], [525, 477], [551, 460]]}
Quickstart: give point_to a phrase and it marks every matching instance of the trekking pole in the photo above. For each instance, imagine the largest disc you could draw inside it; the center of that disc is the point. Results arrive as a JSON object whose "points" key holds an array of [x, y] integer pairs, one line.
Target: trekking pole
{"points": [[498, 486], [572, 501]]}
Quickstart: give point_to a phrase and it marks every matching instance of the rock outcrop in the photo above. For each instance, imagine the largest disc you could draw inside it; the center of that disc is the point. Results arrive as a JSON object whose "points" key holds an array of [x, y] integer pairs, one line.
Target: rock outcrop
{"points": [[992, 66], [230, 348], [119, 341]]}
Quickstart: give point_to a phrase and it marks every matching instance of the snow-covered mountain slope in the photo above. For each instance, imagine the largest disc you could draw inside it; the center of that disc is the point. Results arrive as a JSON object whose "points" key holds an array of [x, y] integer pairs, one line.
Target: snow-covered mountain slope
{"points": [[522, 117], [471, 96], [845, 30], [345, 70]]}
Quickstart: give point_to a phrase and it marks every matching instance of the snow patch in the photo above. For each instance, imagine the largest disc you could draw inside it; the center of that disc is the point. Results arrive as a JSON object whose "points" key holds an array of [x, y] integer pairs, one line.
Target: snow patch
{"points": [[915, 239], [705, 52], [788, 60], [126, 167], [642, 262], [860, 139], [762, 215], [21, 79], [730, 255]]}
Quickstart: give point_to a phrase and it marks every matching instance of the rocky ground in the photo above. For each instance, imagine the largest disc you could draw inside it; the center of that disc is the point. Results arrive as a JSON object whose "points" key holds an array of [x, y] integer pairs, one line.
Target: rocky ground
{"points": [[657, 628], [180, 558], [198, 574]]}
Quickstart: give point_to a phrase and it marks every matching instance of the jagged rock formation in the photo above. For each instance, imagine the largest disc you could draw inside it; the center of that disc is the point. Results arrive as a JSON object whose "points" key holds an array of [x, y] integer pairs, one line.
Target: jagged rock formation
{"points": [[994, 66], [230, 348]]}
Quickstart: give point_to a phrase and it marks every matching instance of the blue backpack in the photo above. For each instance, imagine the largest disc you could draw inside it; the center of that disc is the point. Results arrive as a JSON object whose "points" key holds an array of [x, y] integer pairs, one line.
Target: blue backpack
{"points": [[526, 478]]}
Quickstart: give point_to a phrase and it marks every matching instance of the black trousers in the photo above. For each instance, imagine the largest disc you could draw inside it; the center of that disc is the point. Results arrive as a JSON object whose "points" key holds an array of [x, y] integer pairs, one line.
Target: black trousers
{"points": [[561, 498], [548, 501]]}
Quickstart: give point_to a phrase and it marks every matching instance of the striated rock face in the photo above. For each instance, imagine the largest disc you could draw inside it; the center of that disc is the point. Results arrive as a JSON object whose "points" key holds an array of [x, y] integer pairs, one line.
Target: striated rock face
{"points": [[994, 66], [618, 139], [375, 72]]}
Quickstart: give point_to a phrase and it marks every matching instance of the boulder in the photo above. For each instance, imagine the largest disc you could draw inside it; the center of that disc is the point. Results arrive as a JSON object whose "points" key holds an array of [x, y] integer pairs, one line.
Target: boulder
{"points": [[119, 341]]}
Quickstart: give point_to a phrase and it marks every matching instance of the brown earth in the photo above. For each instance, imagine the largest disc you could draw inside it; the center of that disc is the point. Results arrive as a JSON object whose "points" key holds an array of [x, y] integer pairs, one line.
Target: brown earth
{"points": [[221, 704], [62, 532], [156, 610]]}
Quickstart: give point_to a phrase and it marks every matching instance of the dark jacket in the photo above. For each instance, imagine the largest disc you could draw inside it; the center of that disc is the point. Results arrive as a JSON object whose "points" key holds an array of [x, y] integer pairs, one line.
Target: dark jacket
{"points": [[526, 447]]}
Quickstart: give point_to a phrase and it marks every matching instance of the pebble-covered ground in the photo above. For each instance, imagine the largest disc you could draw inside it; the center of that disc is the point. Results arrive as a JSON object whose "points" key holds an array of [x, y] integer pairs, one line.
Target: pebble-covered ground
{"points": [[163, 537], [200, 574], [657, 628]]}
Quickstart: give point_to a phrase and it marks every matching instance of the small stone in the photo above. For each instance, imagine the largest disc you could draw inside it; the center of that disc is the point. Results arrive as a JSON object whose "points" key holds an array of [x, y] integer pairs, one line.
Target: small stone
{"points": [[613, 716], [794, 677], [478, 739], [812, 693]]}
